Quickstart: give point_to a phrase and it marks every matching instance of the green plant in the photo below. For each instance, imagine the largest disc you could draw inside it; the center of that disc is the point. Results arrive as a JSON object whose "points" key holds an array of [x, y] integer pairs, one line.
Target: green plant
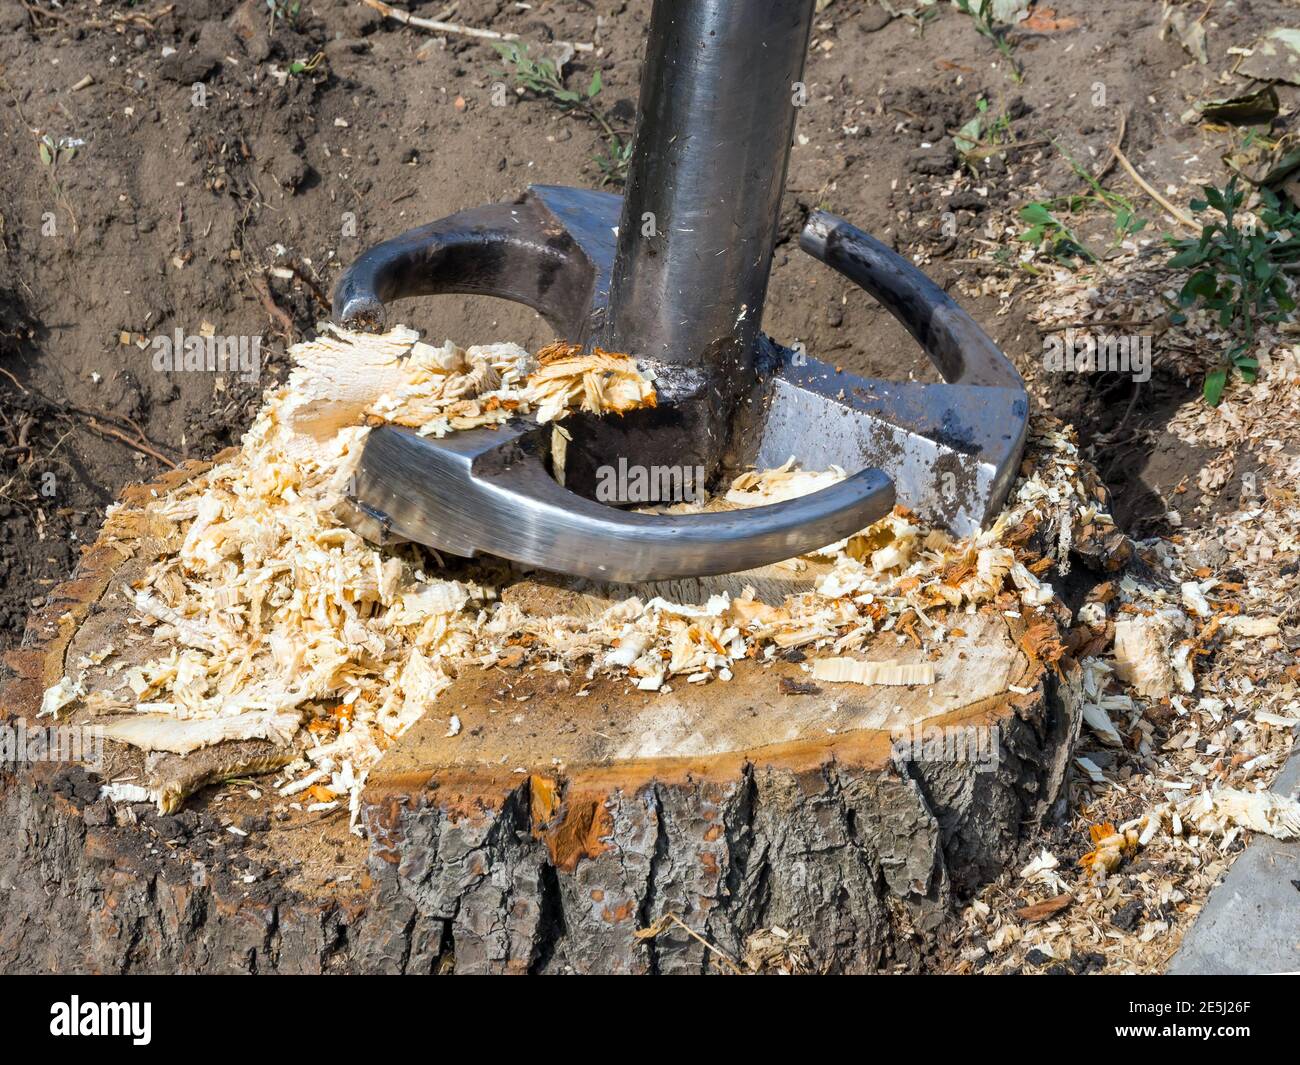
{"points": [[986, 26], [288, 10], [54, 153], [1045, 229], [919, 16], [983, 135], [1126, 219], [542, 77], [55, 150], [306, 66], [1239, 272], [613, 160]]}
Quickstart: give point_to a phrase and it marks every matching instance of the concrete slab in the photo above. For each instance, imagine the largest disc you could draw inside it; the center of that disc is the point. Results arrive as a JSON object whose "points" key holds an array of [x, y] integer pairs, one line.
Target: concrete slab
{"points": [[1251, 923]]}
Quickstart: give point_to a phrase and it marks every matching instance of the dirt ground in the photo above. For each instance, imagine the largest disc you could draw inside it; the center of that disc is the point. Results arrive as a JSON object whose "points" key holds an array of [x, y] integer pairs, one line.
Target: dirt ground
{"points": [[172, 215], [320, 134]]}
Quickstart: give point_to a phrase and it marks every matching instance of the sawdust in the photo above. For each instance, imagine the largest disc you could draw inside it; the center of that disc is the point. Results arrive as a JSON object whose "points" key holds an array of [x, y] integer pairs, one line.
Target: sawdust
{"points": [[1189, 683], [274, 621], [271, 619]]}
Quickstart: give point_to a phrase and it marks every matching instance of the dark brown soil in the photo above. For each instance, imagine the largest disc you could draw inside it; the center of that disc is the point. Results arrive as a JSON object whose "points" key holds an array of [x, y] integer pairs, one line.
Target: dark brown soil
{"points": [[169, 215]]}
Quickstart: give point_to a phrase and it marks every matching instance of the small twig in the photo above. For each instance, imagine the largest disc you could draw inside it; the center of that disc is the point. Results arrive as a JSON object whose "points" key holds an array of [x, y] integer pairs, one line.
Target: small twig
{"points": [[1174, 212], [663, 922], [142, 446], [436, 26], [18, 384], [1132, 403], [1119, 143], [277, 313], [55, 15], [145, 19], [323, 816], [994, 148], [988, 264]]}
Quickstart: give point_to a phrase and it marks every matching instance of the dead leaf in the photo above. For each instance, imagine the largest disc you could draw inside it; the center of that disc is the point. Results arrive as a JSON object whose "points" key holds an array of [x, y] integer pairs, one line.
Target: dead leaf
{"points": [[1274, 57], [1045, 20], [1040, 911]]}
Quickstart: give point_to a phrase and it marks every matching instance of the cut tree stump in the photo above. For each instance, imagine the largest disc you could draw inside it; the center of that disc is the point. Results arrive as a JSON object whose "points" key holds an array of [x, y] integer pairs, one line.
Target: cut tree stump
{"points": [[817, 825]]}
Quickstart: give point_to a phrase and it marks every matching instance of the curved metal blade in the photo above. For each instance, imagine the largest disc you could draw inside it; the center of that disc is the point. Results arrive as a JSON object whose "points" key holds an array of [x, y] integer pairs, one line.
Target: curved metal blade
{"points": [[488, 490], [951, 450]]}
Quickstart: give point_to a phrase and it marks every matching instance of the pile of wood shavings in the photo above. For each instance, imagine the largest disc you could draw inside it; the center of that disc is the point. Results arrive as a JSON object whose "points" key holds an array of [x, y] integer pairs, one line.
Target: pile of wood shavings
{"points": [[898, 575], [277, 621], [270, 605], [1191, 712], [1192, 707]]}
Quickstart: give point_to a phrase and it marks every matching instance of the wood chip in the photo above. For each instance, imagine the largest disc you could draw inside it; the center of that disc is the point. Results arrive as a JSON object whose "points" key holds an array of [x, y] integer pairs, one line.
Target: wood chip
{"points": [[853, 671]]}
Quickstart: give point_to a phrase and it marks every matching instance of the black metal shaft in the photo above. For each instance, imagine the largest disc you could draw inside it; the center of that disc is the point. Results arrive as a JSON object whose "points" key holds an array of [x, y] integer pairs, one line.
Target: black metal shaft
{"points": [[703, 197]]}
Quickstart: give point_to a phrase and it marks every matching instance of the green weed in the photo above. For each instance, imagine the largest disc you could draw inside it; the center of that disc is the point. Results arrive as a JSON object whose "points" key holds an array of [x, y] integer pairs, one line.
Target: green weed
{"points": [[542, 78], [1239, 273]]}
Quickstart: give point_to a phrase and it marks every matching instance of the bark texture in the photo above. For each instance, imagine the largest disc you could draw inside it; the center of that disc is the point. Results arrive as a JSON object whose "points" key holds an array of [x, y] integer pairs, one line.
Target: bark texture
{"points": [[864, 863]]}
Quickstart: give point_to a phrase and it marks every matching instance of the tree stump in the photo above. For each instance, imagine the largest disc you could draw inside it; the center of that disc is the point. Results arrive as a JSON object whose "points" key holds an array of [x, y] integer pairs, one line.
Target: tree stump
{"points": [[565, 816]]}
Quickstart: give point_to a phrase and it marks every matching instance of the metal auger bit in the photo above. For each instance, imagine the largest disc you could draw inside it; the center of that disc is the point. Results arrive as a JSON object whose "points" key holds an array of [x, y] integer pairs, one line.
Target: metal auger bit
{"points": [[676, 273]]}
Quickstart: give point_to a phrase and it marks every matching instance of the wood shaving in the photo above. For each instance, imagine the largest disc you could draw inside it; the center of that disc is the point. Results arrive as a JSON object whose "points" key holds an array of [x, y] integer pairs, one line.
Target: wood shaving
{"points": [[159, 732], [851, 670], [269, 609]]}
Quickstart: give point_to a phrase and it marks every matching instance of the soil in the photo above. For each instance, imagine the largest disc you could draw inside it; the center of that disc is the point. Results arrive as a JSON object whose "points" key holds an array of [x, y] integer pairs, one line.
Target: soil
{"points": [[169, 215]]}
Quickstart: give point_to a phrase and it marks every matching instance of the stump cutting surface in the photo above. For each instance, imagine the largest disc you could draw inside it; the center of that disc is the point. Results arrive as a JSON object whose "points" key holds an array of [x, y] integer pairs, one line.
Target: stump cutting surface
{"points": [[553, 825]]}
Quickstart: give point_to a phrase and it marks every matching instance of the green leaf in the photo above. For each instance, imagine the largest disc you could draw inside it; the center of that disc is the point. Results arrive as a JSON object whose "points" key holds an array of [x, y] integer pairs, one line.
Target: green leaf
{"points": [[594, 88], [46, 157], [966, 138], [1201, 285], [1214, 382], [1037, 213]]}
